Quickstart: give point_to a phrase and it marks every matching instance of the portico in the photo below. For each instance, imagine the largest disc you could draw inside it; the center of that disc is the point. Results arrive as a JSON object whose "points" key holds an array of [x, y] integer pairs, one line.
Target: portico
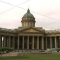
{"points": [[29, 42]]}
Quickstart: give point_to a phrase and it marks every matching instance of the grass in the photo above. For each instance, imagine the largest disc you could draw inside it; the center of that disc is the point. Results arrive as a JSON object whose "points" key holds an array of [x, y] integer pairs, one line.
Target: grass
{"points": [[33, 57]]}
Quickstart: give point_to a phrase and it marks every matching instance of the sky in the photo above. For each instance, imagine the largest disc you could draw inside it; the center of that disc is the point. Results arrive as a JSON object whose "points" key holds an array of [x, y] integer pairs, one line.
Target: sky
{"points": [[46, 13]]}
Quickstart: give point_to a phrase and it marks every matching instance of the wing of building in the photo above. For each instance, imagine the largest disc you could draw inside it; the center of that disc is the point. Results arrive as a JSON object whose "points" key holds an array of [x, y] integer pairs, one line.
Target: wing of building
{"points": [[28, 36]]}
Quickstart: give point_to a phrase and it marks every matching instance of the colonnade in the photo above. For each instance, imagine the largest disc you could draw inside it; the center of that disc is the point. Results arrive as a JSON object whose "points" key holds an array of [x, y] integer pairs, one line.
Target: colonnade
{"points": [[53, 42], [7, 41], [29, 42]]}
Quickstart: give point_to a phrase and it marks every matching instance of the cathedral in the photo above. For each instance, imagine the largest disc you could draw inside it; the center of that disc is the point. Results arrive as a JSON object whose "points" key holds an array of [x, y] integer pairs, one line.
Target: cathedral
{"points": [[29, 37]]}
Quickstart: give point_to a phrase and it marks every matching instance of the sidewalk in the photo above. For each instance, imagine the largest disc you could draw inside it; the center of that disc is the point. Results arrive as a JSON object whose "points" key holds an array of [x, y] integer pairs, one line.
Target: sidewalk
{"points": [[10, 54]]}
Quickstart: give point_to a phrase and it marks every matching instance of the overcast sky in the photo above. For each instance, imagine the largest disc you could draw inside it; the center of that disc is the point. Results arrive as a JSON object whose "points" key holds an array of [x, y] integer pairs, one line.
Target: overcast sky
{"points": [[47, 13]]}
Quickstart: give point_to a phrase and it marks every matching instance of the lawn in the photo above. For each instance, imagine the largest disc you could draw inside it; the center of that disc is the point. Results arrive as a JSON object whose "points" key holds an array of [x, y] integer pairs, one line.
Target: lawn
{"points": [[33, 57]]}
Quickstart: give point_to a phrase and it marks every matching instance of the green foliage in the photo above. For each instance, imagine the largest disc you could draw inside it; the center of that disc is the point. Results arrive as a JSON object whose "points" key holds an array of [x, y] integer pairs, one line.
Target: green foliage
{"points": [[58, 49], [6, 49], [0, 49]]}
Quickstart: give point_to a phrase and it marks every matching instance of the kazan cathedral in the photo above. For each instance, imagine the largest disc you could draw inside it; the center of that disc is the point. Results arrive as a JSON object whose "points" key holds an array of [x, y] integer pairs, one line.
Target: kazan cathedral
{"points": [[29, 37]]}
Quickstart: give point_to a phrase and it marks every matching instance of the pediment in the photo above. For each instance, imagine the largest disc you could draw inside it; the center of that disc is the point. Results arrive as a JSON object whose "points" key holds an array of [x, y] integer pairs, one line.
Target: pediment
{"points": [[30, 30]]}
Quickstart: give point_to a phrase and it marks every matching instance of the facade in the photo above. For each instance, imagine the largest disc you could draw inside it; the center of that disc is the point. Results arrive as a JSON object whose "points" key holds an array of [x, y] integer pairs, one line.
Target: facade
{"points": [[28, 36]]}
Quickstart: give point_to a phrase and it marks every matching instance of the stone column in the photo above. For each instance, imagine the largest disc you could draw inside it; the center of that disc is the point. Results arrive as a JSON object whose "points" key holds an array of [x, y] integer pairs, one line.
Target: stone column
{"points": [[59, 41], [9, 42], [55, 43], [50, 42], [23, 43], [4, 39], [0, 42], [13, 41], [46, 42], [28, 42], [33, 42], [18, 43], [42, 42], [37, 42]]}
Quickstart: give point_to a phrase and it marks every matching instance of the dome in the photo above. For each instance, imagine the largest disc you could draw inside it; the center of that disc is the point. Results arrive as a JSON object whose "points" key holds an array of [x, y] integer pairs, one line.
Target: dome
{"points": [[28, 20], [28, 14]]}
